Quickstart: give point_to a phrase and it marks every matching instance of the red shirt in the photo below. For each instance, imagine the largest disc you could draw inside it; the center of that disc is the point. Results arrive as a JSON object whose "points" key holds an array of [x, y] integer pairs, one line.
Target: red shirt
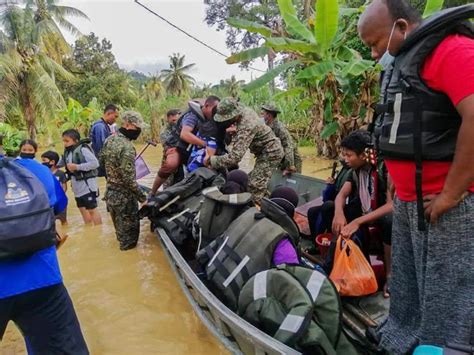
{"points": [[449, 69]]}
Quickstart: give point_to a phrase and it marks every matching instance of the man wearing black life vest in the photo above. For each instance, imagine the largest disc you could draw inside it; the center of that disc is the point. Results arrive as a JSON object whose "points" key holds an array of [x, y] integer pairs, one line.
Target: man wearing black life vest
{"points": [[184, 136], [424, 131]]}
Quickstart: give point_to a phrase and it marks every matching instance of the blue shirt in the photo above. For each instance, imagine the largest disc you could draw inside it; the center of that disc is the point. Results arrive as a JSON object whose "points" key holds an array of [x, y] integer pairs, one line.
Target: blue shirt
{"points": [[40, 269], [100, 131]]}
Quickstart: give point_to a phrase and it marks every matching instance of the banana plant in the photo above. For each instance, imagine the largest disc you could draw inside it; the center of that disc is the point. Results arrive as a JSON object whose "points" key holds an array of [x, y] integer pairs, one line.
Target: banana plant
{"points": [[339, 85], [432, 6]]}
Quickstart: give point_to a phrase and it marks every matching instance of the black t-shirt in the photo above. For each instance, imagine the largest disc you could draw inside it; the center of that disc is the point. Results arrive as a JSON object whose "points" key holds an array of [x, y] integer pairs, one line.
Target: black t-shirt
{"points": [[61, 176]]}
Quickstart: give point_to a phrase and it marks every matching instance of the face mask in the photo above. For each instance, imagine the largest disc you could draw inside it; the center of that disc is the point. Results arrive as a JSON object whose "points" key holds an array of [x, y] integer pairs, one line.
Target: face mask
{"points": [[48, 165], [27, 155], [131, 134]]}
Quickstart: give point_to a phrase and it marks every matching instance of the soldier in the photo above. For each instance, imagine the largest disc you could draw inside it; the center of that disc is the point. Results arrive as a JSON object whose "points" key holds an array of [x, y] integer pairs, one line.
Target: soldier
{"points": [[250, 133], [291, 161], [123, 192], [172, 116]]}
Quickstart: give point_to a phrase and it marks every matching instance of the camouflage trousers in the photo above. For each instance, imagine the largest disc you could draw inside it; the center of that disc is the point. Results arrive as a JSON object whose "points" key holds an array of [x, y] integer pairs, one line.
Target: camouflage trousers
{"points": [[260, 176], [123, 209]]}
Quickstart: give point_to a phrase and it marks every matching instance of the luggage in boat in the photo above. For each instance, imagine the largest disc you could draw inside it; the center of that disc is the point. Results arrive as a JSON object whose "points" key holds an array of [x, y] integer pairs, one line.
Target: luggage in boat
{"points": [[297, 306], [246, 248], [175, 208]]}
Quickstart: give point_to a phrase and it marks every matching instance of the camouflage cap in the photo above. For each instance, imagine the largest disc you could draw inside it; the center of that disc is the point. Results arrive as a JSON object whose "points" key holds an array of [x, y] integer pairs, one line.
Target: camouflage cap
{"points": [[135, 118], [270, 108], [228, 109]]}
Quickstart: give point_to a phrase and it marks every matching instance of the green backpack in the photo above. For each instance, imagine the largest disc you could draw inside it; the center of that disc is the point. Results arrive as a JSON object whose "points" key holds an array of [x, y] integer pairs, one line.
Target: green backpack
{"points": [[299, 307]]}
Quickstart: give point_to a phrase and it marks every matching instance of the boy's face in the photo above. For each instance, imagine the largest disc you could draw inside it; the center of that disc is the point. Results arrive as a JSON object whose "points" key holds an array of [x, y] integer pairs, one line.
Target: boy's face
{"points": [[354, 160], [46, 161], [172, 119], [68, 141]]}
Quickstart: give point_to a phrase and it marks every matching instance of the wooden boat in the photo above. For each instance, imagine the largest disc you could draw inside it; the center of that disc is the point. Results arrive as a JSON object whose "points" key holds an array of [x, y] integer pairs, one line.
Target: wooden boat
{"points": [[241, 337]]}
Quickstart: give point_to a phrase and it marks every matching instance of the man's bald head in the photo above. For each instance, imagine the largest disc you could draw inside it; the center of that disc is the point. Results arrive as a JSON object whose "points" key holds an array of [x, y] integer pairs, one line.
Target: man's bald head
{"points": [[378, 21]]}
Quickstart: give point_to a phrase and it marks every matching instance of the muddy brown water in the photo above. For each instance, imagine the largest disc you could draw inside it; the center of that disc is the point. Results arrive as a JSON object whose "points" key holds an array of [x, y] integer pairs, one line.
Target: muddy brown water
{"points": [[130, 302]]}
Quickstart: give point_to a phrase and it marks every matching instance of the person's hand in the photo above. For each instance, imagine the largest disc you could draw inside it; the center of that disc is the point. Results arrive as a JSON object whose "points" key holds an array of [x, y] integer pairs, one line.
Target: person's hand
{"points": [[71, 167], [348, 230], [207, 161], [437, 205], [231, 129], [289, 171], [338, 223], [330, 180]]}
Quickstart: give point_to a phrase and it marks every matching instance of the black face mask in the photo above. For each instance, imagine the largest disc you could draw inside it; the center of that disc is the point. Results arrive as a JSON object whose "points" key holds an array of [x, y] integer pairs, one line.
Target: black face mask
{"points": [[70, 148], [48, 165], [131, 134], [27, 155]]}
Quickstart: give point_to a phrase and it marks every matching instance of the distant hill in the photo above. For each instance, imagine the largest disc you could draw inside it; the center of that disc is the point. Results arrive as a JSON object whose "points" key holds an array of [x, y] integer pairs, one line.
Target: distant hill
{"points": [[139, 76]]}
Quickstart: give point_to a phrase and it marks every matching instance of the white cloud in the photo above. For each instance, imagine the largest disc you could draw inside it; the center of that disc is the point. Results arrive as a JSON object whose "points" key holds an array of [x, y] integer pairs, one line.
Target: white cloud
{"points": [[141, 40]]}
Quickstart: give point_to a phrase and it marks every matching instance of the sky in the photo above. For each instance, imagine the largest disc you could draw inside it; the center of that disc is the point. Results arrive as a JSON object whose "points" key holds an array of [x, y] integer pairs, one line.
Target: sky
{"points": [[143, 42]]}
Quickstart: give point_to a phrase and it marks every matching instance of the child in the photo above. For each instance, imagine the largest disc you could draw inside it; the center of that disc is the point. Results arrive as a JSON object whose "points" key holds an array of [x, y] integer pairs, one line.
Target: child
{"points": [[363, 199], [81, 166], [50, 159], [28, 149], [196, 160]]}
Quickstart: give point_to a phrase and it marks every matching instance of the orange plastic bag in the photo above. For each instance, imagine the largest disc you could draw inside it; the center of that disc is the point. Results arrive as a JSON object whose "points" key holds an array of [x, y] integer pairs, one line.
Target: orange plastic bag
{"points": [[351, 273]]}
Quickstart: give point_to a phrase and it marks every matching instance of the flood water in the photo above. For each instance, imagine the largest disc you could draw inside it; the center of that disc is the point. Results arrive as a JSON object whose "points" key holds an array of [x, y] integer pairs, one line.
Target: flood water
{"points": [[130, 302]]}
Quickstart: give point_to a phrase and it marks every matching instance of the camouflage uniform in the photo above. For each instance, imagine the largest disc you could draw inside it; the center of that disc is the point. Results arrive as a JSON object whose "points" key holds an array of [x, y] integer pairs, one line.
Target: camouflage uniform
{"points": [[122, 193], [251, 133], [164, 135], [292, 156]]}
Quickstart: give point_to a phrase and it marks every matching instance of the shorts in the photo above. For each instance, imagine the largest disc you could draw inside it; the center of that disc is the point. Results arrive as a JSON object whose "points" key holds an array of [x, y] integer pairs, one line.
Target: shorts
{"points": [[88, 201]]}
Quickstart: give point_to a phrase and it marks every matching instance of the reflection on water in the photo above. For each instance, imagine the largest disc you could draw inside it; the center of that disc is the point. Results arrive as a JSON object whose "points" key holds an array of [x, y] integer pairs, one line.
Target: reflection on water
{"points": [[130, 302]]}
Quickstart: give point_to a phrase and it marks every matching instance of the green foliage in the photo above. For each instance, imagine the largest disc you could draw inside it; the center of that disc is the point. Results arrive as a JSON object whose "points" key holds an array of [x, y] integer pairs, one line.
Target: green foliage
{"points": [[247, 55], [78, 117], [12, 138], [250, 26], [326, 22], [293, 25], [338, 83], [28, 73], [270, 75], [98, 75], [432, 6]]}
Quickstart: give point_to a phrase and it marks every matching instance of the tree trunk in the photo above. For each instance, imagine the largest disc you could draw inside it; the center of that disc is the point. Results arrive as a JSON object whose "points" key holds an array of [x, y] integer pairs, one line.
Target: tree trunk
{"points": [[155, 126], [271, 63], [28, 111], [307, 8]]}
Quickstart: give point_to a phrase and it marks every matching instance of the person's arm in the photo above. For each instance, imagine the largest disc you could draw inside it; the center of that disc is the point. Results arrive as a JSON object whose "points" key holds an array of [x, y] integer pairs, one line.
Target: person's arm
{"points": [[372, 216], [188, 136], [339, 220], [91, 161], [241, 142], [288, 147], [127, 167], [461, 173]]}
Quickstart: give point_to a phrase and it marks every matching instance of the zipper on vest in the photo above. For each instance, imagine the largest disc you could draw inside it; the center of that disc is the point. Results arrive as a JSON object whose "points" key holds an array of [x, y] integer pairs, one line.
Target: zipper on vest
{"points": [[25, 215]]}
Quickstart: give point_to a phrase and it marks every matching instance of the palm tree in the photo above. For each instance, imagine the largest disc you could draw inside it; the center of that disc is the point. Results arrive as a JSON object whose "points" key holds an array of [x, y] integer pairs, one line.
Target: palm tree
{"points": [[49, 18], [26, 71], [154, 90], [176, 79], [232, 86]]}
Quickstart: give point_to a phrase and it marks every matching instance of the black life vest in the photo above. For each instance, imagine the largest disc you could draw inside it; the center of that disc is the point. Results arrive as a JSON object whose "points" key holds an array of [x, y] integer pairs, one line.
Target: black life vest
{"points": [[78, 158], [207, 128], [411, 111], [415, 122]]}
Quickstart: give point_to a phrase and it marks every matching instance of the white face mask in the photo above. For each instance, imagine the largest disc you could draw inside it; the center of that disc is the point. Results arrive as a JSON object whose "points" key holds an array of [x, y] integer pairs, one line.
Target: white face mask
{"points": [[387, 59]]}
